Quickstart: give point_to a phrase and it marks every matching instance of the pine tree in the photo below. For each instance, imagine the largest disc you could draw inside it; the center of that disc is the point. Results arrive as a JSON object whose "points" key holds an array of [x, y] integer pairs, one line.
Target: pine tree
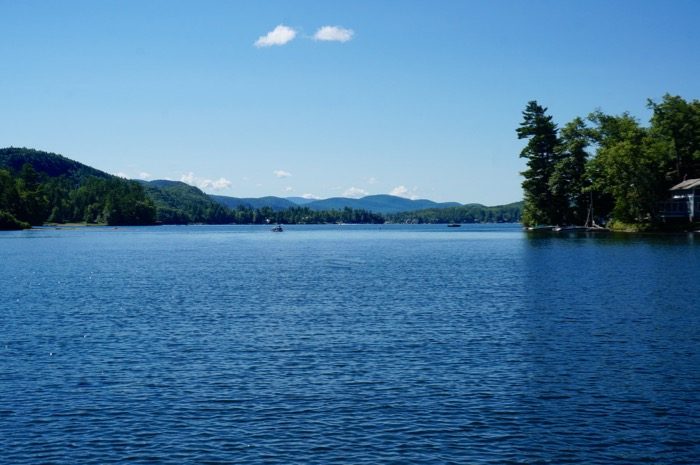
{"points": [[542, 205], [569, 177]]}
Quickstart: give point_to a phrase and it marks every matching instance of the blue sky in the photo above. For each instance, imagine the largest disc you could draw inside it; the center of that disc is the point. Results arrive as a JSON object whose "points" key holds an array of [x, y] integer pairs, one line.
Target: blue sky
{"points": [[422, 100]]}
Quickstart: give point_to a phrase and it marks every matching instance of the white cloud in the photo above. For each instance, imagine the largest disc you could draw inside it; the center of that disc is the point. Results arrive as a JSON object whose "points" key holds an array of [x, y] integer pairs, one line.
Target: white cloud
{"points": [[402, 191], [281, 173], [209, 184], [288, 189], [189, 178], [334, 34], [278, 36], [122, 175], [310, 196], [355, 193], [217, 185], [144, 175]]}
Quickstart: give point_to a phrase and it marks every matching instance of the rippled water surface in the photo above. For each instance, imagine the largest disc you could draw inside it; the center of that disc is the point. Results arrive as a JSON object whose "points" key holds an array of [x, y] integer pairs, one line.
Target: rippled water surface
{"points": [[348, 344]]}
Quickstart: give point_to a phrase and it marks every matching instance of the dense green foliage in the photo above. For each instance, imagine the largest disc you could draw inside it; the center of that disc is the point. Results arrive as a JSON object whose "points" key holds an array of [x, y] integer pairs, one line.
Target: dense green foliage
{"points": [[49, 164], [626, 175], [473, 213], [542, 203], [22, 202], [180, 203], [39, 187], [8, 222]]}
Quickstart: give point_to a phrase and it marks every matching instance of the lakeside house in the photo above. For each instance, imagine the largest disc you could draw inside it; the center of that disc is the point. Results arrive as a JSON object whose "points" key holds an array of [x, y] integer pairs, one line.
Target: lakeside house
{"points": [[684, 201]]}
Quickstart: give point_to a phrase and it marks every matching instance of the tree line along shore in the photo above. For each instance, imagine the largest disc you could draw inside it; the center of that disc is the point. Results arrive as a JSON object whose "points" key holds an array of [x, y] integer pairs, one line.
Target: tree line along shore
{"points": [[38, 188]]}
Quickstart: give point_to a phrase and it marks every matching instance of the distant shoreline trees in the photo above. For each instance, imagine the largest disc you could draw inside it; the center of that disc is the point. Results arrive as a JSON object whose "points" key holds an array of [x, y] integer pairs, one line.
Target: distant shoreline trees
{"points": [[610, 162], [39, 187]]}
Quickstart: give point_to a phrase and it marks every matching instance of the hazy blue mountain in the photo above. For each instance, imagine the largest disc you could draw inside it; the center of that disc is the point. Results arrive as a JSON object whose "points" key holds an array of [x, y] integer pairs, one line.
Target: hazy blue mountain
{"points": [[378, 204], [275, 203], [300, 200]]}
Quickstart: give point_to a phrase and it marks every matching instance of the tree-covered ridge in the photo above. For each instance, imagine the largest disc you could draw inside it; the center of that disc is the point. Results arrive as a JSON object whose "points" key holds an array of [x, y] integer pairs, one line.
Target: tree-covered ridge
{"points": [[180, 203], [609, 165], [48, 164], [472, 213], [276, 203], [38, 187]]}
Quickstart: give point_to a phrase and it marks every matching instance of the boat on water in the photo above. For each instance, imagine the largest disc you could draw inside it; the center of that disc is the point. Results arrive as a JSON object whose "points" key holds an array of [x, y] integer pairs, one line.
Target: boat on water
{"points": [[277, 228], [571, 228], [454, 225], [540, 228]]}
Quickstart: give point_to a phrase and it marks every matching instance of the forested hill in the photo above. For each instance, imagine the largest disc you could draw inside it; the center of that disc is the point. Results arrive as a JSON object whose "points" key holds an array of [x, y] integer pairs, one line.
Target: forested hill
{"points": [[180, 203], [48, 164], [39, 187]]}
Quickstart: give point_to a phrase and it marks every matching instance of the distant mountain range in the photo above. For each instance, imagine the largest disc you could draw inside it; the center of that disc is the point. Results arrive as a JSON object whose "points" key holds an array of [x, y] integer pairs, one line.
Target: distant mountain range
{"points": [[275, 203], [378, 204], [382, 204], [300, 200]]}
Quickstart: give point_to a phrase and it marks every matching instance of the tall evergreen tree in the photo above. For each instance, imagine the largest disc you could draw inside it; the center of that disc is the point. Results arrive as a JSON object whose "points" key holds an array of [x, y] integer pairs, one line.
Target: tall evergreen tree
{"points": [[542, 205], [568, 180]]}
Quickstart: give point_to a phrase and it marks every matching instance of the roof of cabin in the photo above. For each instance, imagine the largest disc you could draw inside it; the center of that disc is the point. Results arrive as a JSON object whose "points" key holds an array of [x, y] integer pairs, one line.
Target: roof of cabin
{"points": [[687, 184]]}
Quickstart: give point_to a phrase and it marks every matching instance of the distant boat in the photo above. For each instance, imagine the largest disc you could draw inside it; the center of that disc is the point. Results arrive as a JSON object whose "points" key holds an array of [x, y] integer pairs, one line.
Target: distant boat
{"points": [[540, 228], [277, 228], [571, 228], [454, 225]]}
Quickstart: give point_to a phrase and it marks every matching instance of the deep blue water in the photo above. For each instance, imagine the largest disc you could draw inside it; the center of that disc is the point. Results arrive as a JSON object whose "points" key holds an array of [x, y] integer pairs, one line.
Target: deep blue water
{"points": [[348, 344]]}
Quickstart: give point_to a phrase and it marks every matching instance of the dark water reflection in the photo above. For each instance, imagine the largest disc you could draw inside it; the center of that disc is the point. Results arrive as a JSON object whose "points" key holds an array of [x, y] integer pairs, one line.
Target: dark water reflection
{"points": [[347, 345], [613, 327]]}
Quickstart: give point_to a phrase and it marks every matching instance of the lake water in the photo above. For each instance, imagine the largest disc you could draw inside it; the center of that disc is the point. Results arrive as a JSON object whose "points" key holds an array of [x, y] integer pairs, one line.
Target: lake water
{"points": [[348, 344]]}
